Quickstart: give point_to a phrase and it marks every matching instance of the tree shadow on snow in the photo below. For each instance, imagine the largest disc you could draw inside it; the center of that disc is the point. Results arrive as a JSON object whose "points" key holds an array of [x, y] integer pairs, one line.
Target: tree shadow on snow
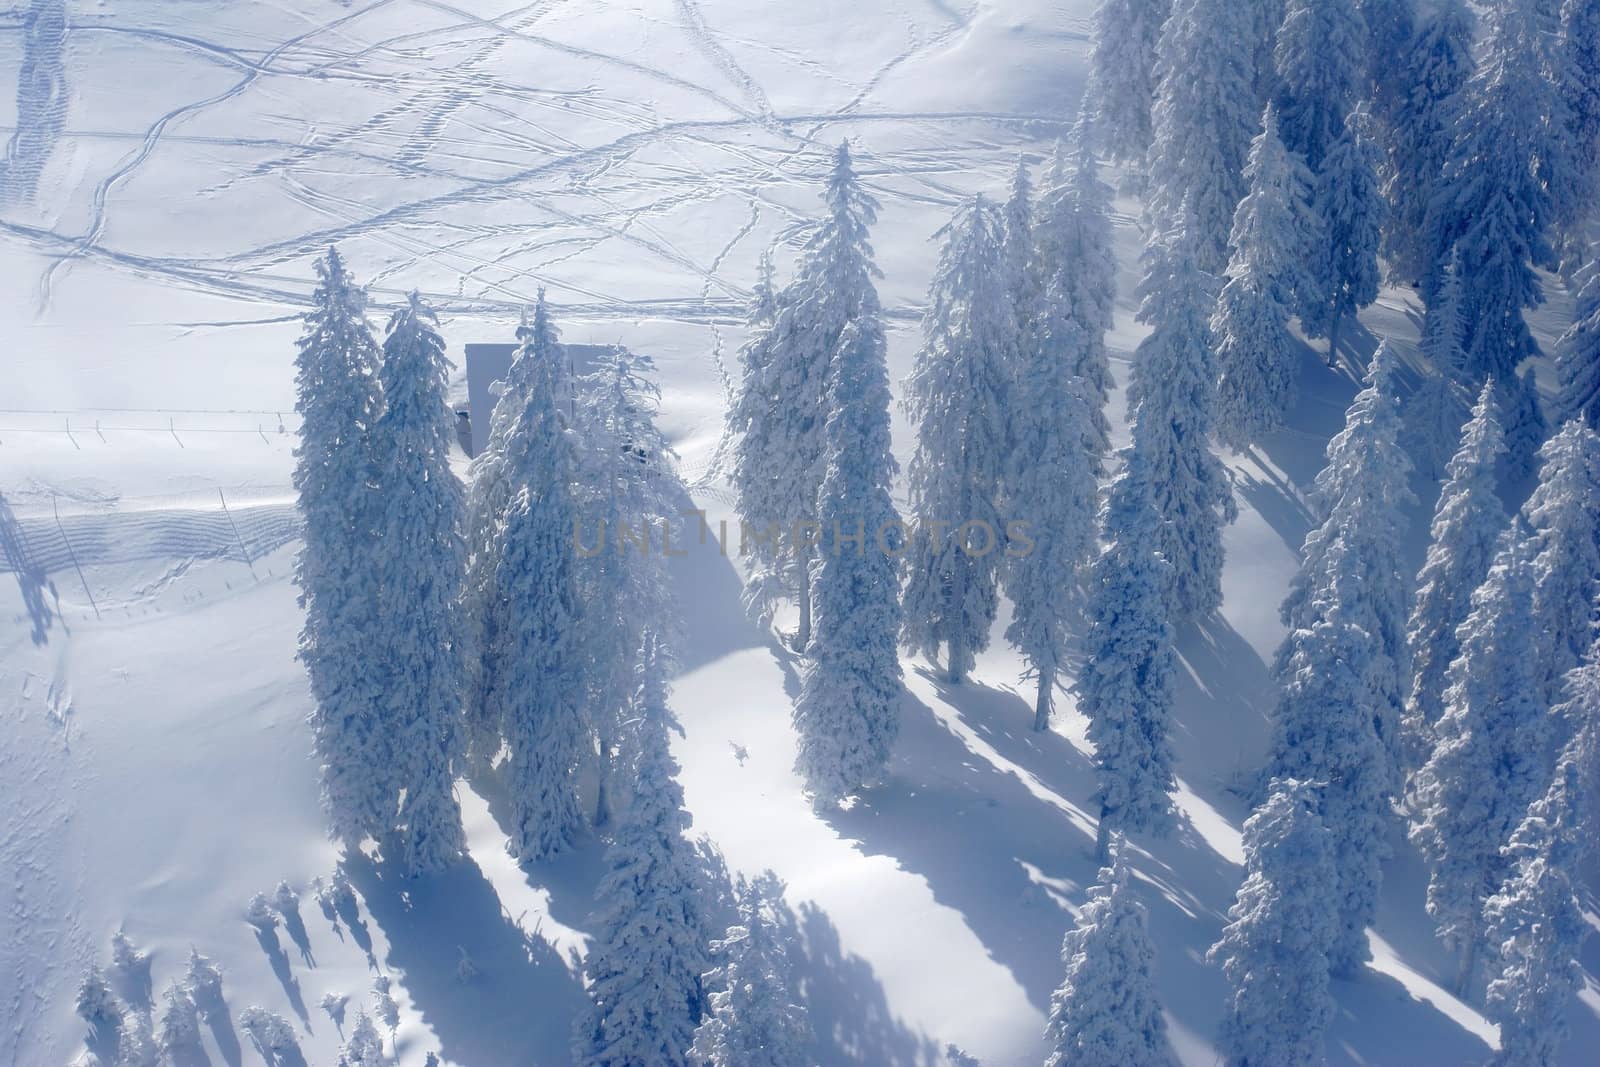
{"points": [[213, 1008], [32, 581], [279, 960], [516, 1007]]}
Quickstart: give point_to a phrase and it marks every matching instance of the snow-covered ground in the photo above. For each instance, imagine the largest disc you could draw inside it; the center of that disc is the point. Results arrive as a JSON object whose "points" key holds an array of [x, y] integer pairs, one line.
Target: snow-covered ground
{"points": [[175, 167]]}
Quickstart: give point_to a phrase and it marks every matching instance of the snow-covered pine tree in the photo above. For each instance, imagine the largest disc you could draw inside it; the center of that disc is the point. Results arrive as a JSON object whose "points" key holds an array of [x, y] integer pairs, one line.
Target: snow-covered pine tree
{"points": [[1257, 355], [1325, 731], [647, 956], [337, 396], [1438, 408], [420, 572], [1018, 246], [1105, 1010], [753, 1017], [848, 710], [1467, 523], [1564, 511], [1274, 950], [1435, 68], [532, 669], [780, 411], [1125, 687], [1535, 924], [627, 491], [1491, 207], [958, 398], [1077, 279], [1122, 76], [1172, 395], [1578, 359], [1321, 61], [1489, 760], [1351, 209], [1580, 83], [1205, 113], [1361, 496]]}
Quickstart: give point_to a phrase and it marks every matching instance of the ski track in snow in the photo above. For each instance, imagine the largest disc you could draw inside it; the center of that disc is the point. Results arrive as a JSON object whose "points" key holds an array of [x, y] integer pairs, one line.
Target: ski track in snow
{"points": [[42, 98]]}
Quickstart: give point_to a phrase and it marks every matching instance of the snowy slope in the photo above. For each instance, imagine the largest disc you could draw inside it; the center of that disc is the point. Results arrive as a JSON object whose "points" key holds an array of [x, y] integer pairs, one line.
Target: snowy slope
{"points": [[175, 168]]}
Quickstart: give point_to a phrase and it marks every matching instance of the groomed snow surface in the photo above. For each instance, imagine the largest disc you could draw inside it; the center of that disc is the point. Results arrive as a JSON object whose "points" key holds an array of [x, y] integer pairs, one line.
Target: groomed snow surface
{"points": [[173, 171]]}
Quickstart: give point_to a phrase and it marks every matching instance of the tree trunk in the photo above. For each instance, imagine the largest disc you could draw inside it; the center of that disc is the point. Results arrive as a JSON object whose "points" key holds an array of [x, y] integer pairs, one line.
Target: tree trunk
{"points": [[802, 638], [953, 620], [1469, 963], [602, 795], [1102, 838], [1333, 340], [1041, 704]]}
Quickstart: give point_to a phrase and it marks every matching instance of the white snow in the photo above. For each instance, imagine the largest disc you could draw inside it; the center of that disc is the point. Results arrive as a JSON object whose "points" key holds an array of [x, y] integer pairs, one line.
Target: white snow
{"points": [[636, 157]]}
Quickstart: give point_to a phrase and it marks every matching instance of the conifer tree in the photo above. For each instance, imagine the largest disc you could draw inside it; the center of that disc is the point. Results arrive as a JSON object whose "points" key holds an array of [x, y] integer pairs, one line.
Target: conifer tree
{"points": [[1439, 406], [1122, 75], [1350, 208], [847, 714], [753, 1017], [1321, 59], [1564, 511], [1492, 207], [780, 409], [1105, 1010], [338, 398], [1125, 688], [1578, 359], [1580, 83], [625, 497], [1421, 125], [644, 965], [1526, 427], [1172, 394], [420, 573], [1274, 950], [1489, 761], [1205, 113], [1257, 355], [1326, 731], [957, 397], [1467, 523], [1018, 246], [534, 675], [1361, 496], [1076, 272], [1535, 924]]}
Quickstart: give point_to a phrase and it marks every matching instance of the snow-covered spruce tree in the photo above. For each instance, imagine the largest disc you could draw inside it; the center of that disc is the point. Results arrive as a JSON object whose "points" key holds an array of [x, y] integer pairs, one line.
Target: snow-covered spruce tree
{"points": [[1076, 269], [1439, 406], [645, 963], [1491, 207], [337, 396], [1325, 731], [780, 411], [1420, 127], [1390, 28], [848, 711], [1257, 355], [1321, 61], [1535, 923], [1578, 359], [1351, 209], [1125, 687], [365, 1046], [625, 494], [753, 1017], [1105, 1010], [1489, 760], [767, 581], [1564, 512], [533, 673], [179, 1027], [420, 572], [1361, 496], [1274, 950], [1172, 394], [1205, 113], [1122, 76], [958, 398], [1526, 426], [1467, 523], [1580, 83], [1018, 245]]}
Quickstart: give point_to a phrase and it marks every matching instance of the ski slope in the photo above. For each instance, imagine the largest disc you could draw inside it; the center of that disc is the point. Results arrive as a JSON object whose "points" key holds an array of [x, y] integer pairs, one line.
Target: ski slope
{"points": [[172, 170]]}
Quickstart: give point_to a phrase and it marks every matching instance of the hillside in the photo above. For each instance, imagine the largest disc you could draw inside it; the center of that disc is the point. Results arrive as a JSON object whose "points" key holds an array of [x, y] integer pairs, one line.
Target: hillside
{"points": [[177, 167]]}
